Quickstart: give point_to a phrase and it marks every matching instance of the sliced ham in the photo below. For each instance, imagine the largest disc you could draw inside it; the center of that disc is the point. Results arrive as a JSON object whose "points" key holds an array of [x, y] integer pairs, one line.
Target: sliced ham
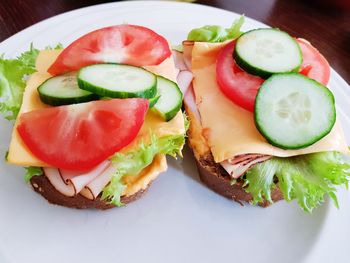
{"points": [[179, 60], [185, 76], [241, 158], [190, 102], [238, 166], [94, 188], [58, 182], [187, 54], [71, 183], [184, 79], [80, 180]]}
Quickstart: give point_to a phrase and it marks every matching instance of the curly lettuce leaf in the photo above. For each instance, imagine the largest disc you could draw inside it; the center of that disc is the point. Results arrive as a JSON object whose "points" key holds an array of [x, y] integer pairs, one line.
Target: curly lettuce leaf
{"points": [[214, 33], [132, 163], [12, 80], [186, 120], [114, 190], [12, 83], [179, 48], [32, 171], [259, 180], [28, 58], [306, 178], [57, 47]]}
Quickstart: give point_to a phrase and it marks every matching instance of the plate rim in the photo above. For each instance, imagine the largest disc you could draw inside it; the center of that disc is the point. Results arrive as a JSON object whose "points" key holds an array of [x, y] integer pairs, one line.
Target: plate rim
{"points": [[335, 75]]}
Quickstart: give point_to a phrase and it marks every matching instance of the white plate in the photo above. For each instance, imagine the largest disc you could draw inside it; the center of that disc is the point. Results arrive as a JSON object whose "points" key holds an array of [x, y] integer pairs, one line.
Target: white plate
{"points": [[179, 220]]}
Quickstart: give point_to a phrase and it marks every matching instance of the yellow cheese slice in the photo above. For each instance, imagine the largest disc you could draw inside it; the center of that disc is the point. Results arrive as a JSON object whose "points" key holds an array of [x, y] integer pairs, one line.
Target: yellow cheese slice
{"points": [[19, 154], [229, 129]]}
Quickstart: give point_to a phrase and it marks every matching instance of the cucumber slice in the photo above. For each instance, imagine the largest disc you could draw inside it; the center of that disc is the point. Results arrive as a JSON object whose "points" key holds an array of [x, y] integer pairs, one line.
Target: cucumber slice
{"points": [[63, 90], [118, 81], [153, 101], [265, 51], [293, 111], [170, 100]]}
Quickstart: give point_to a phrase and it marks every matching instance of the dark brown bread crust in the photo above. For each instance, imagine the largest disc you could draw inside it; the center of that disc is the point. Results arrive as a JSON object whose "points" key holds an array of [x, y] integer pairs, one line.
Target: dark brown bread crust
{"points": [[217, 179], [43, 186], [213, 174]]}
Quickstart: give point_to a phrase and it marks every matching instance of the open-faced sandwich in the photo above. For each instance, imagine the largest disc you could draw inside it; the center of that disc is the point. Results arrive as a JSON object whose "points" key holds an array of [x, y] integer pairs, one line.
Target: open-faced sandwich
{"points": [[94, 121], [263, 124]]}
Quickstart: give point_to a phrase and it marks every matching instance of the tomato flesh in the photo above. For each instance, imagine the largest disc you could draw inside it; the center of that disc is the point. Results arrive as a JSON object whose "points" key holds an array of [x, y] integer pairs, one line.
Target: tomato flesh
{"points": [[241, 87], [314, 66], [127, 44], [80, 136]]}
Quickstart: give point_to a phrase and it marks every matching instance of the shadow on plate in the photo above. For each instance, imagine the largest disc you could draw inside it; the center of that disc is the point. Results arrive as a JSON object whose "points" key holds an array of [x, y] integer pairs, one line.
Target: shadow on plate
{"points": [[283, 231], [187, 164]]}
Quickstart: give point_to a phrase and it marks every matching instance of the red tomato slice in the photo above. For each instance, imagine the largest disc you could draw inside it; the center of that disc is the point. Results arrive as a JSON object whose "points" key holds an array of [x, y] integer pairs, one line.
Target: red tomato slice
{"points": [[238, 85], [128, 44], [314, 66], [80, 136], [241, 87]]}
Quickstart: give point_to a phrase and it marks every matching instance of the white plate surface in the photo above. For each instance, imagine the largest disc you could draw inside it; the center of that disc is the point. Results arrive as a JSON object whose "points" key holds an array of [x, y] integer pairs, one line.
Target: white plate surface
{"points": [[179, 220]]}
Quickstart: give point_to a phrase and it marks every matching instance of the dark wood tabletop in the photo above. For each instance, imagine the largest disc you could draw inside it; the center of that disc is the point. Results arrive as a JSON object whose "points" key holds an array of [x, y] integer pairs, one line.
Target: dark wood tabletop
{"points": [[327, 26]]}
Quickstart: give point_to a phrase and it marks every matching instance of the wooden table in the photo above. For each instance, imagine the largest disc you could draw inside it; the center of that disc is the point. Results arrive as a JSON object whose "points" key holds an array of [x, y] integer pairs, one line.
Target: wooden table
{"points": [[328, 29]]}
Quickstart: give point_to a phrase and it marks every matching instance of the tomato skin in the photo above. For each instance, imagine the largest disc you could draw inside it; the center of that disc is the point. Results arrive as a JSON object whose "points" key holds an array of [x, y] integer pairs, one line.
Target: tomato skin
{"points": [[239, 86], [127, 44], [314, 66], [80, 136]]}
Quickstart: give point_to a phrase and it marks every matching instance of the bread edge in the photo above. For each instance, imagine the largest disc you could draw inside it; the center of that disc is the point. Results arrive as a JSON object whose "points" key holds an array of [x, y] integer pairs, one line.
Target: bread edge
{"points": [[212, 174], [42, 185]]}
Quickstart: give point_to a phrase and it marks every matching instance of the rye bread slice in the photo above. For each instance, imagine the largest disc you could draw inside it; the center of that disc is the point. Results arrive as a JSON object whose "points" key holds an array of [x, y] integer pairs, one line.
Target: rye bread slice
{"points": [[213, 174], [217, 179], [43, 186]]}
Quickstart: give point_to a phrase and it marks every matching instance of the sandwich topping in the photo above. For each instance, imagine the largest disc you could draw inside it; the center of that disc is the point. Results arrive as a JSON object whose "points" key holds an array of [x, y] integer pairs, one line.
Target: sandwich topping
{"points": [[241, 87], [288, 137], [90, 132], [231, 130], [98, 117], [96, 129], [126, 44], [240, 164]]}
